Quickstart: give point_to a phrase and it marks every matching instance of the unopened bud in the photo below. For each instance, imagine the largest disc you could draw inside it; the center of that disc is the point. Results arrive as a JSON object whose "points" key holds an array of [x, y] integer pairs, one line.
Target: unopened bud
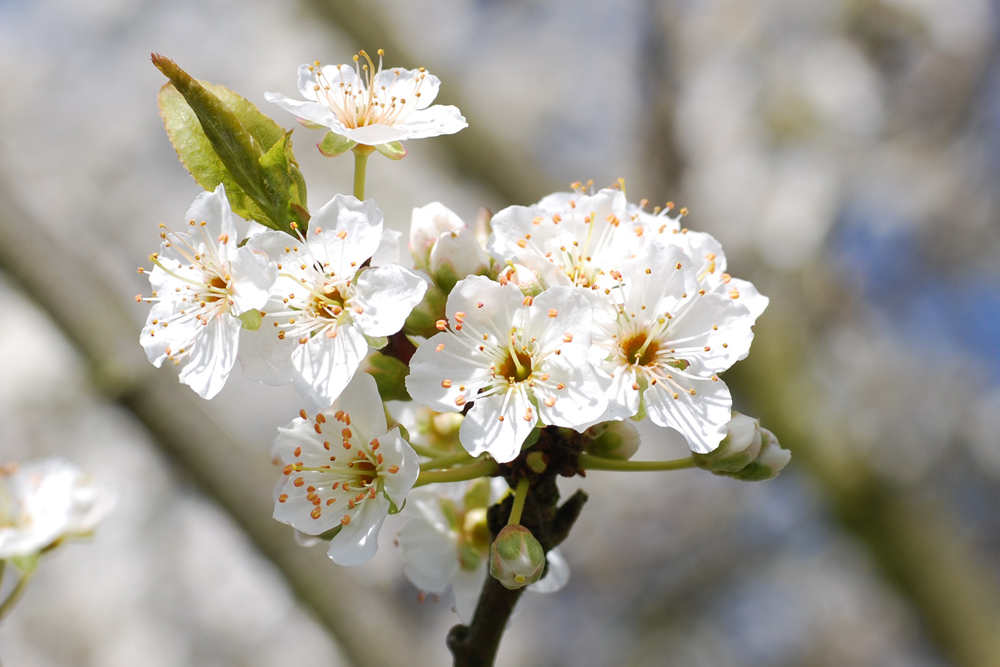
{"points": [[516, 557], [739, 449], [613, 440], [537, 462], [525, 279], [771, 461], [455, 255]]}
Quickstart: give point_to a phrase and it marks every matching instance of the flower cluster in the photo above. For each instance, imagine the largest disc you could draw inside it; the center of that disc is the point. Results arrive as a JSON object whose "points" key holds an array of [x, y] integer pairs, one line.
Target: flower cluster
{"points": [[570, 318]]}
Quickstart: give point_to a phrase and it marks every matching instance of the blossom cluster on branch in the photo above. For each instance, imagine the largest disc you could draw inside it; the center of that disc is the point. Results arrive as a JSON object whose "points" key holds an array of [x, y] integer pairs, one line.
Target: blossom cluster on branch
{"points": [[575, 316]]}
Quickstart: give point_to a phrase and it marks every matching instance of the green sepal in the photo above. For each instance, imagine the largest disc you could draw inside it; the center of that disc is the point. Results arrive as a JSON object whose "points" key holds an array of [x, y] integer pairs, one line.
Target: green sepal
{"points": [[532, 438], [333, 144], [220, 137], [251, 320], [390, 376], [376, 342], [25, 564], [330, 534], [394, 150], [478, 495], [450, 511], [392, 506], [309, 125]]}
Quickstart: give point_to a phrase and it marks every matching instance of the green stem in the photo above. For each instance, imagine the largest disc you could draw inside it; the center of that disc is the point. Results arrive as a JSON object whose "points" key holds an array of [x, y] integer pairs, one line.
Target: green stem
{"points": [[428, 452], [447, 461], [15, 594], [480, 468], [589, 462], [519, 495], [361, 153]]}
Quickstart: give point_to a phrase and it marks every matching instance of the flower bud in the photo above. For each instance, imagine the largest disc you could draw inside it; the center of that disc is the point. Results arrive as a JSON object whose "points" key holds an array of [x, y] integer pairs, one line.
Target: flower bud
{"points": [[525, 279], [769, 463], [456, 255], [516, 557], [613, 440], [426, 226], [739, 448]]}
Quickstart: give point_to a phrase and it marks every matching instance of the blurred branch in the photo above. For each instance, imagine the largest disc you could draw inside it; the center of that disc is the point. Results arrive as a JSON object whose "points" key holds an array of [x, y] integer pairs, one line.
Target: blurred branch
{"points": [[476, 153], [914, 542], [95, 320]]}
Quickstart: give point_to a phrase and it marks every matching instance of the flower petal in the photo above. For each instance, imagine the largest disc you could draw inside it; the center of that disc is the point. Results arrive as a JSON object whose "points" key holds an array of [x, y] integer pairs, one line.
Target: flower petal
{"points": [[385, 296], [357, 542]]}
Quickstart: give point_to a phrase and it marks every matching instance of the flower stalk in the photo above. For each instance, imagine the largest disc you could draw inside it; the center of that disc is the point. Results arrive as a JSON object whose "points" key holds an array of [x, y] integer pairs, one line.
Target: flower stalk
{"points": [[519, 496], [16, 593], [591, 462], [361, 153], [481, 468]]}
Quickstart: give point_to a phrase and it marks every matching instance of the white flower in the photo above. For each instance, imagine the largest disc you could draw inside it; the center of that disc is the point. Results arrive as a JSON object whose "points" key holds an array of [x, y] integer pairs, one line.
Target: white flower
{"points": [[663, 339], [568, 238], [371, 107], [323, 306], [44, 501], [709, 263], [446, 542], [201, 282], [523, 361], [344, 471]]}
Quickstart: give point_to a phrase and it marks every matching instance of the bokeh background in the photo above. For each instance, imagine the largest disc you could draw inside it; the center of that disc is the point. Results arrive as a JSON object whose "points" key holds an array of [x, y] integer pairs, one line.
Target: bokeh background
{"points": [[845, 152]]}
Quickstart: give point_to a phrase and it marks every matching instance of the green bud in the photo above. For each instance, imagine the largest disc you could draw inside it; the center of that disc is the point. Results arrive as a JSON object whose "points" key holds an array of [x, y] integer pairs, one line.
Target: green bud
{"points": [[613, 440], [516, 558], [333, 144], [739, 449], [537, 462], [769, 463]]}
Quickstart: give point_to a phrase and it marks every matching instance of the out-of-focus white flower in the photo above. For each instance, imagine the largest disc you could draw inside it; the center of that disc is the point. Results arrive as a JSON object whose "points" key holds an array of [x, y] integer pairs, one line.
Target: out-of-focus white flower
{"points": [[446, 542], [569, 238], [323, 305], [202, 281], [370, 106], [663, 339], [45, 501], [523, 361], [344, 471]]}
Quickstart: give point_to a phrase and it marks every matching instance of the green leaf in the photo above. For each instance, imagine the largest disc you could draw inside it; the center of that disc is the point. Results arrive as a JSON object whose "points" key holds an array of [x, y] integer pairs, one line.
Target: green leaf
{"points": [[390, 376], [221, 137], [394, 150], [333, 144]]}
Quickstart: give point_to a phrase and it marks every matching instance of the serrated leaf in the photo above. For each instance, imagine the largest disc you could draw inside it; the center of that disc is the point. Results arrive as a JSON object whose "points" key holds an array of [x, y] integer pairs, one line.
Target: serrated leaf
{"points": [[394, 150], [221, 137], [333, 144]]}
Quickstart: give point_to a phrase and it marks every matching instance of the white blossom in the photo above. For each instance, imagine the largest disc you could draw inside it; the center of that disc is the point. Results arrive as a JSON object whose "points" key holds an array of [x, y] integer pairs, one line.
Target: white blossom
{"points": [[45, 501], [444, 246], [344, 471], [202, 281], [568, 238], [324, 308], [709, 263], [523, 361], [663, 339], [371, 106]]}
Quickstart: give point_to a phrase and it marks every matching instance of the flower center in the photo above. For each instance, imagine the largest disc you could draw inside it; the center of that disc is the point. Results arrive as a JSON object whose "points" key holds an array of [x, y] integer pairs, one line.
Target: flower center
{"points": [[639, 350], [516, 366], [217, 289], [330, 305]]}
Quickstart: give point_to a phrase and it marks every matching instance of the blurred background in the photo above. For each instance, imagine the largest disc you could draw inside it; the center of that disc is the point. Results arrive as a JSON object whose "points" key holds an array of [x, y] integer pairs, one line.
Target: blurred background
{"points": [[845, 152]]}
